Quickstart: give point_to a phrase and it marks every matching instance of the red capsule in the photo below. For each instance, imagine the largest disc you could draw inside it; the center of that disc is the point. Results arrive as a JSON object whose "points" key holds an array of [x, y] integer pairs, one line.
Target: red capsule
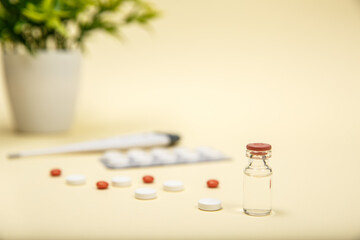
{"points": [[102, 185], [148, 179], [212, 183], [55, 172]]}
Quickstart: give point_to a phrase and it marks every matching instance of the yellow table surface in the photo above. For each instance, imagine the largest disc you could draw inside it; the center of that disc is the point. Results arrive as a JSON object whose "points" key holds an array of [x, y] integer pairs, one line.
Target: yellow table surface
{"points": [[223, 74]]}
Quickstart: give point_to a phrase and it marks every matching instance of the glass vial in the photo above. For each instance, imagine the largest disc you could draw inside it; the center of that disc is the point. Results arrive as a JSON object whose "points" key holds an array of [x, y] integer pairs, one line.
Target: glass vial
{"points": [[257, 180]]}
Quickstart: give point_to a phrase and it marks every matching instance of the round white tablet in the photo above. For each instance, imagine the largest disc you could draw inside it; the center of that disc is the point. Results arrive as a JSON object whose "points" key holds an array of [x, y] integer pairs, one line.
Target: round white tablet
{"points": [[76, 179], [158, 151], [208, 153], [145, 193], [115, 159], [173, 186], [121, 181], [164, 156], [209, 204], [143, 160], [190, 157], [111, 154], [135, 152], [168, 158], [118, 162], [186, 155], [140, 157]]}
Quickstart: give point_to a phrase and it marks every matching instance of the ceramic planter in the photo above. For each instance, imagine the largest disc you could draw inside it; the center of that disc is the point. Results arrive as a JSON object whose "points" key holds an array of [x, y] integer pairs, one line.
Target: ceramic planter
{"points": [[42, 89]]}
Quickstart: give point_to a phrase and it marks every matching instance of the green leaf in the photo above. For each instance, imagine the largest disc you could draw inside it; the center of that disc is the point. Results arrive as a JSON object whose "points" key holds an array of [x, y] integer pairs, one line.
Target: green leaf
{"points": [[53, 17], [34, 16], [62, 13], [48, 5], [19, 27], [55, 23]]}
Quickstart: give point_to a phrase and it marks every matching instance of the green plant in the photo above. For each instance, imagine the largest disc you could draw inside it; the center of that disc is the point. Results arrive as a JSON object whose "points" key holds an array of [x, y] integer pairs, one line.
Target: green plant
{"points": [[65, 24]]}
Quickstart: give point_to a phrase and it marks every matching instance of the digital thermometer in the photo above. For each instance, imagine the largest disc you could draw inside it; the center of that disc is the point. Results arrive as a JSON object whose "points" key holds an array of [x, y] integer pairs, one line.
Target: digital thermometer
{"points": [[143, 140]]}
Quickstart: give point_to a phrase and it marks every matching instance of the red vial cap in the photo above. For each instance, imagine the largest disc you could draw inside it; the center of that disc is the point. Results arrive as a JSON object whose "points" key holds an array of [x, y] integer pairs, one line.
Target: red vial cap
{"points": [[258, 146]]}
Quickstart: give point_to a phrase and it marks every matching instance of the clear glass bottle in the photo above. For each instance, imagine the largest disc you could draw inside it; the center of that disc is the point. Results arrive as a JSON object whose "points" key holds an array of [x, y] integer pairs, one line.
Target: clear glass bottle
{"points": [[257, 180]]}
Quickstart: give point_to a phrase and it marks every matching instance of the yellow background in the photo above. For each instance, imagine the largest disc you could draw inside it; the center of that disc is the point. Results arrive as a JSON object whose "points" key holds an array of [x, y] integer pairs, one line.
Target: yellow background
{"points": [[220, 73]]}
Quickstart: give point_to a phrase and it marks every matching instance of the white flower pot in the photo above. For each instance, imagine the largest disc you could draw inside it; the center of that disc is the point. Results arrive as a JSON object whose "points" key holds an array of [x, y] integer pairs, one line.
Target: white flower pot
{"points": [[42, 89]]}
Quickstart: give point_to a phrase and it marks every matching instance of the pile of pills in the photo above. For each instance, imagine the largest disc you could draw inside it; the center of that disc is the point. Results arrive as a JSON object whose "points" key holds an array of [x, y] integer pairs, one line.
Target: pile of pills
{"points": [[160, 156], [145, 193]]}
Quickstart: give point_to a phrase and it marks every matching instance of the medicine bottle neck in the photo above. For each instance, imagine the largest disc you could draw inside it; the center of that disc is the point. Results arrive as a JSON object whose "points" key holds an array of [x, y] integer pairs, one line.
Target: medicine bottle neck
{"points": [[258, 162]]}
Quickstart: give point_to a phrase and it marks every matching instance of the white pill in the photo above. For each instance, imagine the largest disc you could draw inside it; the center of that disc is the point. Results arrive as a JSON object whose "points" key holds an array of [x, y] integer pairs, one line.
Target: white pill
{"points": [[180, 150], [191, 157], [158, 151], [164, 156], [135, 152], [76, 179], [209, 204], [216, 155], [187, 155], [145, 193], [208, 153], [173, 186], [115, 159], [111, 153], [118, 162], [140, 157], [168, 158], [143, 160], [121, 181]]}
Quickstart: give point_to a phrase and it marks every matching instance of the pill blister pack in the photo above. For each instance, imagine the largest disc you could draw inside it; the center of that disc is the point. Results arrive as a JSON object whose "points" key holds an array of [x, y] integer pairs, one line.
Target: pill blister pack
{"points": [[160, 156]]}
